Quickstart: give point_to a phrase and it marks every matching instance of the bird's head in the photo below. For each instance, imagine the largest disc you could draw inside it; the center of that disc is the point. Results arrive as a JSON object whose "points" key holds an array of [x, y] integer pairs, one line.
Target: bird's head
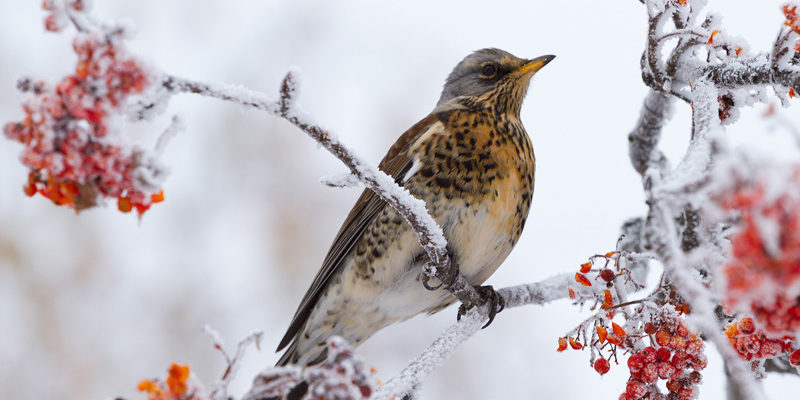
{"points": [[491, 77]]}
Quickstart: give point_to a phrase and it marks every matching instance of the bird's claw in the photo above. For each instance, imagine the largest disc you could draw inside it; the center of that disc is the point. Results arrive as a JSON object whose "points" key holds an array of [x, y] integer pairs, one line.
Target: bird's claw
{"points": [[488, 296], [425, 279], [455, 271]]}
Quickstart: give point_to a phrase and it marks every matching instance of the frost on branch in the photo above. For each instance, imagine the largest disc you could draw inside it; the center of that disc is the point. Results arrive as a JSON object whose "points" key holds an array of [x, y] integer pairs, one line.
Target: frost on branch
{"points": [[341, 377], [72, 130], [716, 74]]}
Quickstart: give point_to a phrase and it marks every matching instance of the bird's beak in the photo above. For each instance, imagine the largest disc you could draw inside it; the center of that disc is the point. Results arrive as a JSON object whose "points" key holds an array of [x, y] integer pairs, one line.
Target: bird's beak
{"points": [[534, 65]]}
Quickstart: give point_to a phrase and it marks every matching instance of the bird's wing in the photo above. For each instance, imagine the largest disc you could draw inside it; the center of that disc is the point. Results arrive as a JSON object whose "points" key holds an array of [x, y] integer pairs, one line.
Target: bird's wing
{"points": [[396, 164]]}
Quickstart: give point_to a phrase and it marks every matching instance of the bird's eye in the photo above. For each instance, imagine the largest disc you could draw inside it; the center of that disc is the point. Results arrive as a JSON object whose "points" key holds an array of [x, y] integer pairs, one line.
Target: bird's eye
{"points": [[488, 70]]}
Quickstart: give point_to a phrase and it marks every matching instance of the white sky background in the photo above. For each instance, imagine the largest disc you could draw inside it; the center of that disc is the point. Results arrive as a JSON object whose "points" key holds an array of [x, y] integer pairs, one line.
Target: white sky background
{"points": [[89, 305]]}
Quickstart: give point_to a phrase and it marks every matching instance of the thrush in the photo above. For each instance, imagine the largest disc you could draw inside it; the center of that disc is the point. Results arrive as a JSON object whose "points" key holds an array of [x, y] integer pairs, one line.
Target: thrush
{"points": [[472, 163]]}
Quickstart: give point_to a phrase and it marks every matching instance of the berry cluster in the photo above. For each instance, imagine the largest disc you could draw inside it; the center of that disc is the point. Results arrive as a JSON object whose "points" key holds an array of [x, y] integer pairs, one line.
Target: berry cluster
{"points": [[178, 386], [677, 358], [792, 21], [70, 130], [763, 272], [56, 18], [342, 376], [754, 344]]}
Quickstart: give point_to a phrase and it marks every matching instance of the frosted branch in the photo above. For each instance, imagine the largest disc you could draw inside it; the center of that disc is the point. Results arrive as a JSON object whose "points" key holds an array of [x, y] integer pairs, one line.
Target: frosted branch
{"points": [[220, 391], [412, 209], [662, 234], [412, 376], [642, 141]]}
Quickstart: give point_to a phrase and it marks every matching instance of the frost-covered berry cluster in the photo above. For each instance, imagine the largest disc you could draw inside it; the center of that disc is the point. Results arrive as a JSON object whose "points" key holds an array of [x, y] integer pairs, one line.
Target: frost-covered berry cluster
{"points": [[71, 130], [341, 377], [675, 356], [754, 344], [651, 330]]}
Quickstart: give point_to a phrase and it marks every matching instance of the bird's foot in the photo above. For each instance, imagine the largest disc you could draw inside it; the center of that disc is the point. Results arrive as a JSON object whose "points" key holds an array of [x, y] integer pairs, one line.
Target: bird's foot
{"points": [[455, 271], [488, 296], [426, 278]]}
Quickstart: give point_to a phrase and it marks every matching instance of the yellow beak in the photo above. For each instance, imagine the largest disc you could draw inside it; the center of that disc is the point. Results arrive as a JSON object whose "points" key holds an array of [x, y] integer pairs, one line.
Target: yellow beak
{"points": [[534, 65]]}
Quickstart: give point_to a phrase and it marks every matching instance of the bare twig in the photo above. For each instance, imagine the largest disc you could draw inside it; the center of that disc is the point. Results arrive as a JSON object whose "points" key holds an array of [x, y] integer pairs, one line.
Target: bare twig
{"points": [[221, 387]]}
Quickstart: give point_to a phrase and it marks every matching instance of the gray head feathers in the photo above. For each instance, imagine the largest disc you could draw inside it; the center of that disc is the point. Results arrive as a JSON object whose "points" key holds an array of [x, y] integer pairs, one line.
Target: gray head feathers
{"points": [[478, 73]]}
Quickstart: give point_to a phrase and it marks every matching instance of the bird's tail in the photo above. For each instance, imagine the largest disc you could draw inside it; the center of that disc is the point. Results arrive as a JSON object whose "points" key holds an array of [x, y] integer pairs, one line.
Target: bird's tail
{"points": [[293, 356], [289, 356], [309, 356]]}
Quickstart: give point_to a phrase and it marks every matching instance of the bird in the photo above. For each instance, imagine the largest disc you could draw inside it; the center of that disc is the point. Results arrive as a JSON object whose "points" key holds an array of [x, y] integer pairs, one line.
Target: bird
{"points": [[473, 164]]}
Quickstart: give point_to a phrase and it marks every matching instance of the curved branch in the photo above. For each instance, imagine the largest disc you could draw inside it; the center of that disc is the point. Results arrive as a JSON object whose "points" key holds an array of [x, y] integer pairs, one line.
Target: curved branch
{"points": [[412, 209], [410, 379]]}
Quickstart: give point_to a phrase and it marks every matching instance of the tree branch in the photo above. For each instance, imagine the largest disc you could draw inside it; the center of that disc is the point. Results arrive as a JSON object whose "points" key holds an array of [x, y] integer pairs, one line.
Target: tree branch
{"points": [[663, 235], [748, 72], [412, 209], [412, 376], [644, 138]]}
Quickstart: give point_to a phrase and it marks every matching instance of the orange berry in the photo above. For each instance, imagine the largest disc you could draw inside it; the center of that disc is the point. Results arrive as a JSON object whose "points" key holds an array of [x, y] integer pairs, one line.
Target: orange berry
{"points": [[618, 331], [602, 333], [610, 254], [29, 189], [562, 344], [571, 293], [663, 337], [575, 344], [582, 279], [157, 197], [176, 379], [614, 340], [124, 204], [608, 300], [586, 267], [711, 38]]}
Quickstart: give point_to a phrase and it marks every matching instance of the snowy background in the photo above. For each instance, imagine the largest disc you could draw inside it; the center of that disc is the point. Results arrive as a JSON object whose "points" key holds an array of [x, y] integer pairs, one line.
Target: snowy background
{"points": [[91, 304]]}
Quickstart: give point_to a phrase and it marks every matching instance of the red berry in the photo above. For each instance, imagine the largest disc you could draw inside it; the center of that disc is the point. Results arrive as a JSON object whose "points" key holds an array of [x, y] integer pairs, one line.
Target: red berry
{"points": [[685, 393], [650, 372], [601, 366], [795, 358], [635, 388], [649, 354], [607, 275], [635, 363], [662, 354], [746, 326], [673, 385], [650, 328], [665, 369]]}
